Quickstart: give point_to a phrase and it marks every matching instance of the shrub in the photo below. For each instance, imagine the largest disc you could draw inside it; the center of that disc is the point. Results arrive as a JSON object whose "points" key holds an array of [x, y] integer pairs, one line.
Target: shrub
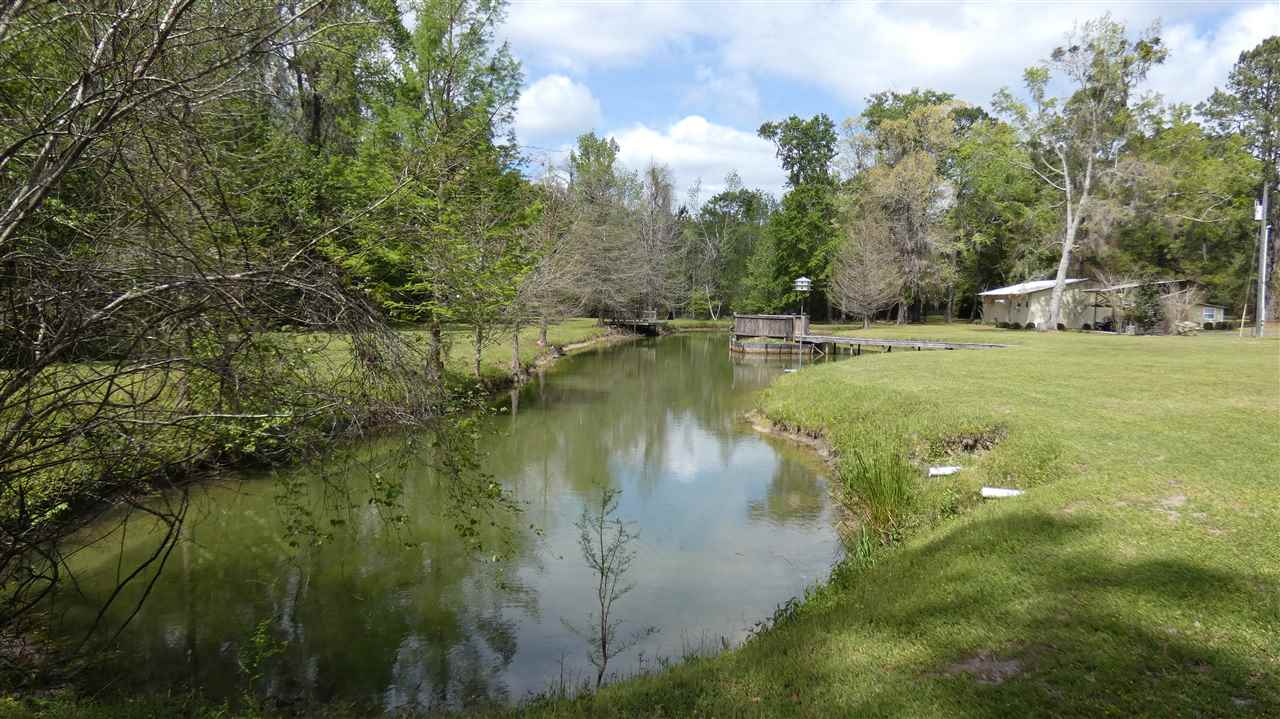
{"points": [[1148, 314], [1029, 326], [1208, 325], [1086, 327], [1061, 327], [1223, 325], [1002, 325]]}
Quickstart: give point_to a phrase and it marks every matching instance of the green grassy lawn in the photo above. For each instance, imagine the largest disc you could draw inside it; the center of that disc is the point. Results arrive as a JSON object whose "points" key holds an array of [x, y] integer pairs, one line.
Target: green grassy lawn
{"points": [[1139, 574], [495, 358]]}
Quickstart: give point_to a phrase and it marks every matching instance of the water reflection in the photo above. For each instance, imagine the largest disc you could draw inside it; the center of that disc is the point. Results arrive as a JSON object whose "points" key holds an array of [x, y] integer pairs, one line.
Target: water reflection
{"points": [[730, 525]]}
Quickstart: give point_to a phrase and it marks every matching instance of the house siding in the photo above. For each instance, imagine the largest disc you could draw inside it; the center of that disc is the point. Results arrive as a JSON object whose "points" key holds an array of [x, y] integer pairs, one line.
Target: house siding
{"points": [[1195, 313], [1034, 307]]}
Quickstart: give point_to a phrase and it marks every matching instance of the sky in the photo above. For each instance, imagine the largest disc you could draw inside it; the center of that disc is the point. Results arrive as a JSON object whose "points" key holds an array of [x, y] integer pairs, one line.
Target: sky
{"points": [[687, 82]]}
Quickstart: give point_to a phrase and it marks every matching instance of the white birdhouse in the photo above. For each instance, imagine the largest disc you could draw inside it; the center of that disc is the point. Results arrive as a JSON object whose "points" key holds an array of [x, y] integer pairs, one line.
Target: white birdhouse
{"points": [[803, 284]]}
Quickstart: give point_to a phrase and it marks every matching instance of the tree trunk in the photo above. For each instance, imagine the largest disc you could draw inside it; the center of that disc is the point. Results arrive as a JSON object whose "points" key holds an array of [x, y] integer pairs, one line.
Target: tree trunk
{"points": [[1074, 215], [542, 332], [435, 352], [949, 313], [479, 339], [515, 350], [1060, 282]]}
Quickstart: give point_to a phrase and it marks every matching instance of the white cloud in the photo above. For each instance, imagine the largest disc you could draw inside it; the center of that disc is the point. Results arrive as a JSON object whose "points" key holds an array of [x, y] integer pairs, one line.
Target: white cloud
{"points": [[696, 149], [854, 49], [1200, 60], [731, 95], [556, 106], [847, 50], [580, 35]]}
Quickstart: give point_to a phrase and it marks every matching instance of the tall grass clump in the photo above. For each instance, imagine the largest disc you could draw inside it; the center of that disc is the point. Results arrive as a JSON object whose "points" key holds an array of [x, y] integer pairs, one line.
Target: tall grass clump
{"points": [[877, 487]]}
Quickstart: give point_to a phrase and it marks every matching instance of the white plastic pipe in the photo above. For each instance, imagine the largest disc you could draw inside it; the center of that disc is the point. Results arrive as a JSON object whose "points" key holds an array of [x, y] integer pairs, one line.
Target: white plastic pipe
{"points": [[996, 492]]}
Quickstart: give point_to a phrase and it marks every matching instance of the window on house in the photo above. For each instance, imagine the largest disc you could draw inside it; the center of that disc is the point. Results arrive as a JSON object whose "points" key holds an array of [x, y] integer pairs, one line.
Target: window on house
{"points": [[1211, 313]]}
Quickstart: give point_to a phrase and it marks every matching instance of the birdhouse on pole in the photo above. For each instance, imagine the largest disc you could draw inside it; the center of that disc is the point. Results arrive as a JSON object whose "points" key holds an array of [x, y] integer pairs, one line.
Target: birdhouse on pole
{"points": [[803, 284]]}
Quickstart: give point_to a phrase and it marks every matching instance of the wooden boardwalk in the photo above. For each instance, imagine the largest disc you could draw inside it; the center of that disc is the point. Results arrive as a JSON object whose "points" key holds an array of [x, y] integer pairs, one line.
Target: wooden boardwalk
{"points": [[795, 329], [890, 344]]}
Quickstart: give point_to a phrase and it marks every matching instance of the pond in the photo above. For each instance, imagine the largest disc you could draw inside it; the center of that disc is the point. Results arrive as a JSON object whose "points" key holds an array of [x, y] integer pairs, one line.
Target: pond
{"points": [[730, 525]]}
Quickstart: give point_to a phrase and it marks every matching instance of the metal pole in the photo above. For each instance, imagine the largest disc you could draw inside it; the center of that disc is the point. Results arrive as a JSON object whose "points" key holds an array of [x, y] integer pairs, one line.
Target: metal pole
{"points": [[1262, 263]]}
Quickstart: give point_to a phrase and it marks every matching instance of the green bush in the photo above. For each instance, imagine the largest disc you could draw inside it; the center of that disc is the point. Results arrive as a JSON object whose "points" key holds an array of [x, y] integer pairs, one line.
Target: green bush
{"points": [[1221, 325], [1002, 325], [1208, 325], [1029, 326], [1086, 327]]}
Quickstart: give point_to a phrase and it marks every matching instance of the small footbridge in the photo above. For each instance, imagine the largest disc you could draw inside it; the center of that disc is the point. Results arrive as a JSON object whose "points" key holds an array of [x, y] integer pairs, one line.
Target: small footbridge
{"points": [[795, 330], [645, 323]]}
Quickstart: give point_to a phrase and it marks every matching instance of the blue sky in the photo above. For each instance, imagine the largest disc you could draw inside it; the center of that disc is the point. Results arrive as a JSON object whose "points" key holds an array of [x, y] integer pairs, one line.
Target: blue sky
{"points": [[686, 83]]}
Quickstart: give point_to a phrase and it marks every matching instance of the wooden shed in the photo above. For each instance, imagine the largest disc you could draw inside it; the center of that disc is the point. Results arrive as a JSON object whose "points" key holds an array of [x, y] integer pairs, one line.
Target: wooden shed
{"points": [[778, 326]]}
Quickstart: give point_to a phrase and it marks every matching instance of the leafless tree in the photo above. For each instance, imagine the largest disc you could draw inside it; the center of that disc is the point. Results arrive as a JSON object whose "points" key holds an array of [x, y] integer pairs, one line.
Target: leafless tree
{"points": [[866, 277], [549, 290], [1177, 299], [657, 242], [606, 542]]}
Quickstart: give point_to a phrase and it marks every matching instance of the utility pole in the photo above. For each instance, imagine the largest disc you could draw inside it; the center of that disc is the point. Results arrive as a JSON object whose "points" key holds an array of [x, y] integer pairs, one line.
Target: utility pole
{"points": [[1262, 261]]}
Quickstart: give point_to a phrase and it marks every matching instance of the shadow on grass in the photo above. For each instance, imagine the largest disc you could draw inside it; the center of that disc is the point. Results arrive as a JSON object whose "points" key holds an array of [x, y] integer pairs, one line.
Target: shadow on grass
{"points": [[1017, 615]]}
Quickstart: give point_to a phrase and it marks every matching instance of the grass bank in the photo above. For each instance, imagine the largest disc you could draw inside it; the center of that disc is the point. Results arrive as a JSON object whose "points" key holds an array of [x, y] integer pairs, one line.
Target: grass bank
{"points": [[1138, 576], [495, 358]]}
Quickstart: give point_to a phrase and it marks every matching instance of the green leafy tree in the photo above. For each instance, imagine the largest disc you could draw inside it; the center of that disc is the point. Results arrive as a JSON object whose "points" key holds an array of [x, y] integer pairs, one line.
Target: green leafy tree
{"points": [[438, 162], [1180, 204], [1003, 216], [1072, 140], [720, 239], [1250, 107], [601, 190], [1148, 313], [802, 232], [893, 105], [760, 289], [903, 192]]}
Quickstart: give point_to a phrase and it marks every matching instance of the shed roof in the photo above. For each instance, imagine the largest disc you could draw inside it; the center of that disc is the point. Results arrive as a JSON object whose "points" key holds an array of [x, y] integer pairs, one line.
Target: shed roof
{"points": [[1024, 288]]}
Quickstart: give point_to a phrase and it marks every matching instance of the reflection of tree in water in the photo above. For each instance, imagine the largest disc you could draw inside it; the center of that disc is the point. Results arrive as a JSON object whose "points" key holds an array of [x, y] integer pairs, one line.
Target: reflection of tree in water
{"points": [[590, 418], [792, 496], [403, 614], [372, 612]]}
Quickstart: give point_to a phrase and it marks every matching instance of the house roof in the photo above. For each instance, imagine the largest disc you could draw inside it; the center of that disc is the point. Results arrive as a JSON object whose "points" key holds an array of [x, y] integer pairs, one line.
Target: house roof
{"points": [[1024, 288], [1131, 285]]}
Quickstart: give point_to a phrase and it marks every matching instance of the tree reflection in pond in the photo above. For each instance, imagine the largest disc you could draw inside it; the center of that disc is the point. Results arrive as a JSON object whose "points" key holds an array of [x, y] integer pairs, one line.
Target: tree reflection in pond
{"points": [[404, 615]]}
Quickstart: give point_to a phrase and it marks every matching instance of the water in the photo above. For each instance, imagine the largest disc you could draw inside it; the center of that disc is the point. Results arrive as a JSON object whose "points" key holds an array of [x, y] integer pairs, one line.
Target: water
{"points": [[731, 524]]}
